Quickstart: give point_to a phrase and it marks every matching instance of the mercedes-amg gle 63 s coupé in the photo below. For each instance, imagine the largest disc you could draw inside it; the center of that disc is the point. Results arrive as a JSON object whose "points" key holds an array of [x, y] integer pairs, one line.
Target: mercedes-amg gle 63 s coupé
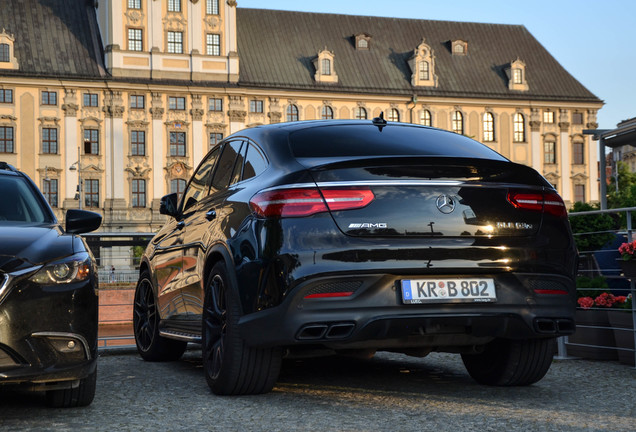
{"points": [[356, 236]]}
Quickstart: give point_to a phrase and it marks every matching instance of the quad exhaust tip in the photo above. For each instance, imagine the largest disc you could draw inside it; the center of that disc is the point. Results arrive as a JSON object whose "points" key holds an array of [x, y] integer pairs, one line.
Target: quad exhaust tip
{"points": [[326, 331]]}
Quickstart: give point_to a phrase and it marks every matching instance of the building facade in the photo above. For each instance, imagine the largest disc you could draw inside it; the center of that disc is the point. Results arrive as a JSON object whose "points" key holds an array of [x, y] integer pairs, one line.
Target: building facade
{"points": [[127, 96]]}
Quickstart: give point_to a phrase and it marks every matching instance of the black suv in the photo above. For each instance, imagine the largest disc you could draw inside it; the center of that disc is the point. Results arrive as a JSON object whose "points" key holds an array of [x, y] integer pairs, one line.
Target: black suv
{"points": [[349, 237], [48, 295]]}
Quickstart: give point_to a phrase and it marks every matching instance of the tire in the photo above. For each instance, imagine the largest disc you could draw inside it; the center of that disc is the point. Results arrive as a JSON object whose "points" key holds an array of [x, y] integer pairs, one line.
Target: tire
{"points": [[150, 344], [507, 362], [231, 366], [79, 396]]}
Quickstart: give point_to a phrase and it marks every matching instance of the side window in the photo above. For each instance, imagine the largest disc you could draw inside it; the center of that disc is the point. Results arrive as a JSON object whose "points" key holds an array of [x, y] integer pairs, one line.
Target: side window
{"points": [[198, 187], [255, 162], [225, 168], [238, 165]]}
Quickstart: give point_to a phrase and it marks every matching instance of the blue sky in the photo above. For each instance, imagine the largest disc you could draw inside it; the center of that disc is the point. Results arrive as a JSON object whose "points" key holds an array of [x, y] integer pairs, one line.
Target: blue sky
{"points": [[594, 40]]}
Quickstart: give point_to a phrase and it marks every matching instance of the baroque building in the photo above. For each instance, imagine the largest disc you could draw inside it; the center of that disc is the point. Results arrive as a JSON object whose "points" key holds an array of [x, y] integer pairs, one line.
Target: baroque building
{"points": [[129, 95]]}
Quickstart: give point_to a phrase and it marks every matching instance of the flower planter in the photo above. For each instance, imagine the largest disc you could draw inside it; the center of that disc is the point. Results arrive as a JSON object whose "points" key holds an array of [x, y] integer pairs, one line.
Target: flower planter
{"points": [[628, 267], [622, 319], [593, 328]]}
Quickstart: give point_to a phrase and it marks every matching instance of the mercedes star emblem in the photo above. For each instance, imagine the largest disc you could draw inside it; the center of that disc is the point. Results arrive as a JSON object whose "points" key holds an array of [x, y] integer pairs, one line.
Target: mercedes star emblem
{"points": [[445, 204]]}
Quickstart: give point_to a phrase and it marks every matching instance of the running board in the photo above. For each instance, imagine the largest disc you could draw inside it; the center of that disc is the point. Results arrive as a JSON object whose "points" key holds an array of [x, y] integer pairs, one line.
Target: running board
{"points": [[180, 335]]}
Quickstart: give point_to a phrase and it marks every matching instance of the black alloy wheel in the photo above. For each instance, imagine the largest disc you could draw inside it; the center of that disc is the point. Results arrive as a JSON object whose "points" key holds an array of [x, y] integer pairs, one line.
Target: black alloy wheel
{"points": [[231, 366], [150, 344]]}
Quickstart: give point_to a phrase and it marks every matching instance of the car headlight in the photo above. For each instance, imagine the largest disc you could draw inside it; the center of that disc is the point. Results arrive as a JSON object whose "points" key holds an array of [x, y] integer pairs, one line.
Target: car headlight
{"points": [[75, 268]]}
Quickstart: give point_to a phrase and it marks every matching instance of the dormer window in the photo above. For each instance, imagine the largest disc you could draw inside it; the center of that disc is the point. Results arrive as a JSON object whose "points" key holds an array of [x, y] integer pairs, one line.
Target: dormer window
{"points": [[325, 67], [459, 47], [517, 76], [422, 65], [7, 54], [362, 41]]}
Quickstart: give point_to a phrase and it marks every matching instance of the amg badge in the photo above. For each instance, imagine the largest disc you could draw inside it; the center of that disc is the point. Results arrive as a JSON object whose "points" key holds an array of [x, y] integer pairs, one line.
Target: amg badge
{"points": [[367, 225]]}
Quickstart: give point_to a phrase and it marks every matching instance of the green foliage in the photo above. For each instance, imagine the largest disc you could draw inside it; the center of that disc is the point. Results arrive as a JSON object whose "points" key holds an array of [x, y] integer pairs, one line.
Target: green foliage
{"points": [[138, 251], [625, 195], [597, 225], [591, 287]]}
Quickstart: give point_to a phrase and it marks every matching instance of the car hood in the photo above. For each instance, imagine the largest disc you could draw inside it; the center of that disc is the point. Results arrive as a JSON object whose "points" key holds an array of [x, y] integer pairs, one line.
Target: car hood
{"points": [[24, 246]]}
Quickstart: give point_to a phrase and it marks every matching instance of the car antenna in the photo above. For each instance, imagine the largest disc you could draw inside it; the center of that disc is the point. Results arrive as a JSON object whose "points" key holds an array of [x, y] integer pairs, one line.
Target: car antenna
{"points": [[379, 121]]}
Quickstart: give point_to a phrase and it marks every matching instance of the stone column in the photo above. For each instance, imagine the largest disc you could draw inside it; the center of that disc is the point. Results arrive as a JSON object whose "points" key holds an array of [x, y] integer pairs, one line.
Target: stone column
{"points": [[535, 140], [593, 156], [71, 147], [566, 156], [237, 114], [158, 152], [199, 141], [115, 204]]}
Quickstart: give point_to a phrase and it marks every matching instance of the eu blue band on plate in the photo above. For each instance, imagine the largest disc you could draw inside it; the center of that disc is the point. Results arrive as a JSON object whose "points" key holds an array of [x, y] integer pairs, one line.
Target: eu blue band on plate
{"points": [[406, 289]]}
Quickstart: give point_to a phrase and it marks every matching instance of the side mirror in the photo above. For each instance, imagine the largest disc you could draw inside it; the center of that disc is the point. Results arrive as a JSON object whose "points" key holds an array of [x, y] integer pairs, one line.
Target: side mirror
{"points": [[168, 205], [82, 221]]}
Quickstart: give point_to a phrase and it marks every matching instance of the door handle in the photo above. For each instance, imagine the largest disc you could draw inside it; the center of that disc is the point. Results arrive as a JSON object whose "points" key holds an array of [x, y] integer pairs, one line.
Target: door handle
{"points": [[211, 215]]}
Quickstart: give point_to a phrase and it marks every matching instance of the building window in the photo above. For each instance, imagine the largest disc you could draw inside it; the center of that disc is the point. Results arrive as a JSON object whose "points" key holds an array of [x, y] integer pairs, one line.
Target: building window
{"points": [[177, 186], [213, 43], [174, 5], [394, 115], [212, 7], [363, 44], [215, 104], [91, 141], [138, 143], [134, 4], [176, 103], [579, 193], [5, 53], [6, 139], [325, 66], [548, 117], [49, 140], [458, 122], [361, 113], [425, 118], [577, 118], [90, 99], [91, 192], [517, 76], [135, 39], [6, 96], [549, 152], [137, 102], [175, 42], [424, 71], [215, 138], [49, 98], [577, 153], [177, 144], [138, 193], [327, 113], [256, 106], [519, 128], [489, 127], [292, 113], [49, 190]]}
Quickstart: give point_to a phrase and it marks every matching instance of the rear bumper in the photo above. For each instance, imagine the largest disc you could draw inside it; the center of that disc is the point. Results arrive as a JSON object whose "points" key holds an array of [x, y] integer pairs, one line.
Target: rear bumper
{"points": [[375, 317]]}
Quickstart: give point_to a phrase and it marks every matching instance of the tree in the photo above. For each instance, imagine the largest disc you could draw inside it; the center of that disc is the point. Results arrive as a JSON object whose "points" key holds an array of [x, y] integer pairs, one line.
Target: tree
{"points": [[599, 228]]}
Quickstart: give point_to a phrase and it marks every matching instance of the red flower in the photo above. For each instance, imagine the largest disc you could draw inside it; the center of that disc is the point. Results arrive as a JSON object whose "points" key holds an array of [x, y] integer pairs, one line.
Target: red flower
{"points": [[586, 302], [605, 300]]}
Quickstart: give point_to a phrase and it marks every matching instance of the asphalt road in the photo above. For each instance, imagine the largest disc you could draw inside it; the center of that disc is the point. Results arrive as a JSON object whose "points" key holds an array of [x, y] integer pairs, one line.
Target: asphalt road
{"points": [[387, 393]]}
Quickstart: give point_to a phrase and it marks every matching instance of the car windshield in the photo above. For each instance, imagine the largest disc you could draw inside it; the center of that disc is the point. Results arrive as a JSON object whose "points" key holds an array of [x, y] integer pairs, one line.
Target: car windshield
{"points": [[18, 202], [360, 140]]}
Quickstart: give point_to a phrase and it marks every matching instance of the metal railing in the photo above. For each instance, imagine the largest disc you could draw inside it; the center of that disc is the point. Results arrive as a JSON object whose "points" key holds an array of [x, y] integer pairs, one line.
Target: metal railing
{"points": [[596, 338]]}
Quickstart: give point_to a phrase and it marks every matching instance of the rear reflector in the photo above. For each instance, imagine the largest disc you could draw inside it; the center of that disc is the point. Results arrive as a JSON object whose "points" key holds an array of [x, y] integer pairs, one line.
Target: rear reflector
{"points": [[549, 202], [329, 295], [551, 291], [308, 201]]}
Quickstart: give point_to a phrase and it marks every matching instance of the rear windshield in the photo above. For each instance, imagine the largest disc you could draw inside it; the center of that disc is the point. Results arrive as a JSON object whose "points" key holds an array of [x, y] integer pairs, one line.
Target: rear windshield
{"points": [[393, 140], [19, 203]]}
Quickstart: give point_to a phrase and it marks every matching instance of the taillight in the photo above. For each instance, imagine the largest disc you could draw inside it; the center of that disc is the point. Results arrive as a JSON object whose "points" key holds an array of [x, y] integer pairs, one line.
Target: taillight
{"points": [[308, 201], [549, 202]]}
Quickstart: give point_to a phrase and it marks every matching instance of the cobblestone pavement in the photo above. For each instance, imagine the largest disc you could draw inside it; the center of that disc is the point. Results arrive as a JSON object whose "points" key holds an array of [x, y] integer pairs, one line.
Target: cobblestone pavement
{"points": [[387, 393]]}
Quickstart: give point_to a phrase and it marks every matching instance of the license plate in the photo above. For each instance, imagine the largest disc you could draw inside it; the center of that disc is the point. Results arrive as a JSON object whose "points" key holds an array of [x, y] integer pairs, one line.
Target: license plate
{"points": [[419, 291]]}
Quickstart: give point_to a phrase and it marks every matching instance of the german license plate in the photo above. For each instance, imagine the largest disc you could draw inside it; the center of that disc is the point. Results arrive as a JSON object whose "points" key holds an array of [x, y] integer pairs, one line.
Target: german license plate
{"points": [[419, 291]]}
